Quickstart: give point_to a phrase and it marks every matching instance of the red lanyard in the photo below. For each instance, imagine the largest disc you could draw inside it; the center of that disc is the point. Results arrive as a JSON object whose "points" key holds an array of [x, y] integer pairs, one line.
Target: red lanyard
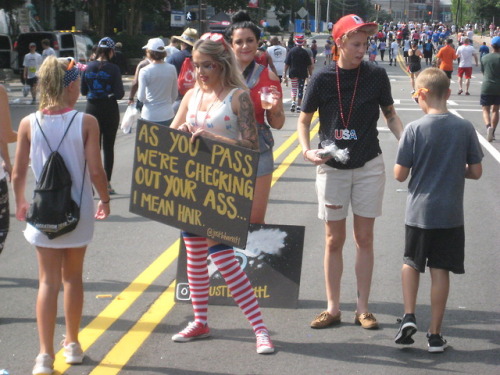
{"points": [[346, 124]]}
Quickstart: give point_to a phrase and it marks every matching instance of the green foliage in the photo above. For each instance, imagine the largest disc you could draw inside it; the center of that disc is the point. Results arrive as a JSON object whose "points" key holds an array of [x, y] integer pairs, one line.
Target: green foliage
{"points": [[475, 11]]}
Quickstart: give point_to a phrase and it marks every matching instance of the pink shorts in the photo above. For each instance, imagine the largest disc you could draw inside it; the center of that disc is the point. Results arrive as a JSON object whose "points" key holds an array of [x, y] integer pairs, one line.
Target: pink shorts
{"points": [[466, 71]]}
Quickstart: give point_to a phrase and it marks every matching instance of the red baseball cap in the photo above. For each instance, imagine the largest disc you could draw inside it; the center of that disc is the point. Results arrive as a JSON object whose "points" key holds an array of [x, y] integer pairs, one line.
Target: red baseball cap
{"points": [[350, 23]]}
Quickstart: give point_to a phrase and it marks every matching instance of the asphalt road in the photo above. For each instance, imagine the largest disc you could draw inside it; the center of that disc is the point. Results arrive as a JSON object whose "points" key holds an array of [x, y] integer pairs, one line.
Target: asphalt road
{"points": [[130, 315]]}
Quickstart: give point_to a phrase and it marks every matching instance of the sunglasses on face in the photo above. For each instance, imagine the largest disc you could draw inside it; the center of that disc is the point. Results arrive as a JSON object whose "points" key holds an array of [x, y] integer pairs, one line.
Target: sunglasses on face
{"points": [[215, 37], [416, 95]]}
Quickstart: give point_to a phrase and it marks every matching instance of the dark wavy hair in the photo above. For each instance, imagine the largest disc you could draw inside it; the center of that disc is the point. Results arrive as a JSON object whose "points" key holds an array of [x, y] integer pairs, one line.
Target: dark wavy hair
{"points": [[241, 20]]}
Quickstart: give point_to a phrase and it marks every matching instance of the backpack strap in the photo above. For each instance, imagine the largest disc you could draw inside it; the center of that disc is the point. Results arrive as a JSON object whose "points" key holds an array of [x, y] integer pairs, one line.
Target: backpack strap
{"points": [[64, 135]]}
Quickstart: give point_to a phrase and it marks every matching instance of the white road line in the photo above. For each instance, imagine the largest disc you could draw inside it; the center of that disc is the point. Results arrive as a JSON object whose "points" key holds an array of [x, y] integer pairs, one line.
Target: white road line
{"points": [[487, 145]]}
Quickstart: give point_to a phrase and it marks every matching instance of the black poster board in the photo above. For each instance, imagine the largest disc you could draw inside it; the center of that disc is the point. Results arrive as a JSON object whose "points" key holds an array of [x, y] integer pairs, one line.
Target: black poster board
{"points": [[272, 260], [205, 187]]}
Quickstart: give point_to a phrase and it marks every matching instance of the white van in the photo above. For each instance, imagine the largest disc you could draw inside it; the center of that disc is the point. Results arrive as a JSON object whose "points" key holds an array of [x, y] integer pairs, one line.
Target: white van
{"points": [[64, 43]]}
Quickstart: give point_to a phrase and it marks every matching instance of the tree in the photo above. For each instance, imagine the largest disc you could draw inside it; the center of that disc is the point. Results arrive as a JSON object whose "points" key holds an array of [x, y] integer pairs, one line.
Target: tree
{"points": [[486, 10]]}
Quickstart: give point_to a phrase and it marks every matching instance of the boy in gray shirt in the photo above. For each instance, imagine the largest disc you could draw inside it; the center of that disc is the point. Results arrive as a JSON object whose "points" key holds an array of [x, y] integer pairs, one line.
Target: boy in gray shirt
{"points": [[441, 150]]}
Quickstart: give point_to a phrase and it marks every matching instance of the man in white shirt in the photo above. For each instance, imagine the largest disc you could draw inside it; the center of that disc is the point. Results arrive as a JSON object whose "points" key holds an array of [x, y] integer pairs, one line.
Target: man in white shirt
{"points": [[32, 62], [278, 55], [465, 53], [47, 49], [393, 53]]}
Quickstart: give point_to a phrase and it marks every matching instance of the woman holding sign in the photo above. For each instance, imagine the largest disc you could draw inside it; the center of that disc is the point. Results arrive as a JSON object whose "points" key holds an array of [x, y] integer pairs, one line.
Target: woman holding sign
{"points": [[218, 108], [266, 94]]}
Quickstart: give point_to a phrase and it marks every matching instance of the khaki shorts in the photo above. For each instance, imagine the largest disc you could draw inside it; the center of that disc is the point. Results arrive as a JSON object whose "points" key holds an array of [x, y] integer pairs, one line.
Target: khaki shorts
{"points": [[362, 187]]}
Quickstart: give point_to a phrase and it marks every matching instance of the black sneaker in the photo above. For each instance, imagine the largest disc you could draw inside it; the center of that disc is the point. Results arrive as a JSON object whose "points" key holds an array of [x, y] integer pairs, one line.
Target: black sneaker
{"points": [[437, 344], [292, 107], [407, 329]]}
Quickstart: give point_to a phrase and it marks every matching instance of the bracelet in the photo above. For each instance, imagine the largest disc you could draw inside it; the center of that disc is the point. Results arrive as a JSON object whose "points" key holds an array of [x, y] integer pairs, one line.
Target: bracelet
{"points": [[106, 201], [131, 99], [304, 153]]}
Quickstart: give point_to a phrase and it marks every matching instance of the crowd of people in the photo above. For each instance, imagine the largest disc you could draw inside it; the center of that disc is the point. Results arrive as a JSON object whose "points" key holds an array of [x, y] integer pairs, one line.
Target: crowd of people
{"points": [[232, 70]]}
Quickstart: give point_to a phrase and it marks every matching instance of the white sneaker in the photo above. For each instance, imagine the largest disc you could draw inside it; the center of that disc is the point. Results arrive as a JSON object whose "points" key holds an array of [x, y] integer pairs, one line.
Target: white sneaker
{"points": [[44, 364], [73, 353]]}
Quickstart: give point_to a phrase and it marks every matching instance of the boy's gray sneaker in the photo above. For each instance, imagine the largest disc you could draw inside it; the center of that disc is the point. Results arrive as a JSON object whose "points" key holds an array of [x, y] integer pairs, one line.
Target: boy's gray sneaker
{"points": [[437, 344], [407, 329], [490, 136]]}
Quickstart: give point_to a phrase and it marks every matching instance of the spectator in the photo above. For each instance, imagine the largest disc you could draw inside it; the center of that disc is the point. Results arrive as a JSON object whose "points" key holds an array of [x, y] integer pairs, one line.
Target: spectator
{"points": [[47, 49], [263, 58], [32, 62], [157, 85], [440, 150], [278, 55], [223, 100], [186, 40], [348, 97], [7, 135], [172, 47], [298, 65], [102, 85], [120, 59], [60, 260]]}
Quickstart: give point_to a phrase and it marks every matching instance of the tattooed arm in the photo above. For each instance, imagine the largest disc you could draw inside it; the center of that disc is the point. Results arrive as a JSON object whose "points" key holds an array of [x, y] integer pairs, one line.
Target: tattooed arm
{"points": [[393, 121], [243, 107]]}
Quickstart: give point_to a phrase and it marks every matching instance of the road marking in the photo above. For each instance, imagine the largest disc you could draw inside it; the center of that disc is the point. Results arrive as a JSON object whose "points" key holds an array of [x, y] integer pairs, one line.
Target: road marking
{"points": [[101, 323], [292, 155], [487, 145], [121, 353], [128, 345]]}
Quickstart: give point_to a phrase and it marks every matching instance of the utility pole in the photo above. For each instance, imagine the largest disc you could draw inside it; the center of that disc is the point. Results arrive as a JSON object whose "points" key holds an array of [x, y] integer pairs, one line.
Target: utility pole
{"points": [[328, 11]]}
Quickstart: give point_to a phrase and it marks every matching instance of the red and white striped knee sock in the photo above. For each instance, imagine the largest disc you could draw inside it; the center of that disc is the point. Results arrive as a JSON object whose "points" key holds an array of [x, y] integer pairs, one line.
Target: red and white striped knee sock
{"points": [[295, 87], [197, 272], [238, 284]]}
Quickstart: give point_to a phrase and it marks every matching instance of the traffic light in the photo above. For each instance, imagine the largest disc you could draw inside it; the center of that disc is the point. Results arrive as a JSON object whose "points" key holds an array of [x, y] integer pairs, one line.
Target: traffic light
{"points": [[191, 16]]}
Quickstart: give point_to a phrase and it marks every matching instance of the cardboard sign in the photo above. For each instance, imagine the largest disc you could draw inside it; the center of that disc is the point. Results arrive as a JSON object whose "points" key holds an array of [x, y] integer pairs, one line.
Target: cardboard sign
{"points": [[205, 187], [272, 260]]}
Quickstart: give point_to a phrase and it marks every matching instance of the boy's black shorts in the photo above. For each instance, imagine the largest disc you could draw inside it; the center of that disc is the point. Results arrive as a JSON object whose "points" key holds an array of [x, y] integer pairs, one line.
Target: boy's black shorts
{"points": [[32, 81], [439, 248]]}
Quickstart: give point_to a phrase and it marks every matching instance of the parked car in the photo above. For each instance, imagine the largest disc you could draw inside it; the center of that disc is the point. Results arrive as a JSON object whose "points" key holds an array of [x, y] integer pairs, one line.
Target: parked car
{"points": [[64, 43], [6, 51]]}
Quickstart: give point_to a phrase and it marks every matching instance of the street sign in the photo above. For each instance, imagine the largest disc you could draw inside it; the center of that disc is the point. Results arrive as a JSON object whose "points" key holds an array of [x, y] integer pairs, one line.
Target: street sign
{"points": [[177, 18], [302, 12]]}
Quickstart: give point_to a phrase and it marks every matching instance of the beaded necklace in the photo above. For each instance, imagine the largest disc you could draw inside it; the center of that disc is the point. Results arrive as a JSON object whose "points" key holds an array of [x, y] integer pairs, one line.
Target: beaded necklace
{"points": [[344, 123]]}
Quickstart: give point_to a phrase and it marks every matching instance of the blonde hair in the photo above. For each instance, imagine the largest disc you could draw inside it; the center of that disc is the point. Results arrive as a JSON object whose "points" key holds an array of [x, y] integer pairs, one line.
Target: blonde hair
{"points": [[223, 55], [434, 80], [51, 82]]}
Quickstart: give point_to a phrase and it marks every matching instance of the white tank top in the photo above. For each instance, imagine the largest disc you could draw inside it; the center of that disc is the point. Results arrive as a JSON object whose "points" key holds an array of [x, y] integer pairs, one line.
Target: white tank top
{"points": [[72, 151], [219, 119]]}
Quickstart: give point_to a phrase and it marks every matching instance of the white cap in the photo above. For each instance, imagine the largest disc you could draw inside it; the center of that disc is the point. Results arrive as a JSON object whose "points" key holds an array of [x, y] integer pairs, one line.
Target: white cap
{"points": [[155, 44]]}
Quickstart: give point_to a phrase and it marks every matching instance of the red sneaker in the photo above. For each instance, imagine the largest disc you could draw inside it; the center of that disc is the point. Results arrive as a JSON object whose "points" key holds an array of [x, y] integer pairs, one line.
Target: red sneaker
{"points": [[193, 331], [264, 343]]}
